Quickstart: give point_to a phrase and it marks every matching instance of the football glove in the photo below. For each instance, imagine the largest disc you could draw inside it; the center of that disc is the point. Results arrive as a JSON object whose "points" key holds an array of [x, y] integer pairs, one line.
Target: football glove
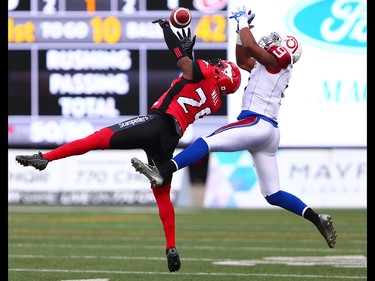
{"points": [[239, 13], [250, 18], [242, 13], [186, 42], [161, 22]]}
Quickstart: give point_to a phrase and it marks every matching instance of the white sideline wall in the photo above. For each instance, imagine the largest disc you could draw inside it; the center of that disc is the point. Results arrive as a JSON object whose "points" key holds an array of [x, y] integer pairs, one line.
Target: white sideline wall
{"points": [[97, 177], [322, 178]]}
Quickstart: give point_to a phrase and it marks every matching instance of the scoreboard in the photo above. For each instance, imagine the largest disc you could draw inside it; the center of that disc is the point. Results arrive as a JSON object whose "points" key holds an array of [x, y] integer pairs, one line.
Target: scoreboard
{"points": [[75, 66]]}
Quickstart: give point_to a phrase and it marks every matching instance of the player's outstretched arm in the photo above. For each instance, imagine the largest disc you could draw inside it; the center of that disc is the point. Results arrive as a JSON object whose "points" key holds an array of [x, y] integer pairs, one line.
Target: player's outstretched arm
{"points": [[184, 62]]}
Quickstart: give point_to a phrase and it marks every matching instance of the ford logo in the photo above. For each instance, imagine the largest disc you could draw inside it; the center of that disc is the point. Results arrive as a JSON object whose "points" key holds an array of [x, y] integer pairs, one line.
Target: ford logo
{"points": [[331, 24]]}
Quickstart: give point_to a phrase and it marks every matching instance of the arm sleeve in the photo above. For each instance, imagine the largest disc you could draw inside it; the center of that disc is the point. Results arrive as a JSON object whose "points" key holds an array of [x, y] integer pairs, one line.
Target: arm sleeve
{"points": [[173, 43]]}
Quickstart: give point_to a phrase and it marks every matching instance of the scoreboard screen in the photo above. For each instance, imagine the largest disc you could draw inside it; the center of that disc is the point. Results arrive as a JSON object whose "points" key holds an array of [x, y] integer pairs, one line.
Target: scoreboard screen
{"points": [[75, 66]]}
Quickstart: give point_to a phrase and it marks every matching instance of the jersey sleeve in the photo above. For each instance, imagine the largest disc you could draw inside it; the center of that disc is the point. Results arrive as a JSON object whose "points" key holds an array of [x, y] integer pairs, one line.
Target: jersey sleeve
{"points": [[205, 70], [197, 71]]}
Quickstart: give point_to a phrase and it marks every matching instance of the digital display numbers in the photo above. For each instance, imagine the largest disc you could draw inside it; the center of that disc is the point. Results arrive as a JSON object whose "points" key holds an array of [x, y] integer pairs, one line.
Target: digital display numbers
{"points": [[104, 21], [110, 29], [78, 65]]}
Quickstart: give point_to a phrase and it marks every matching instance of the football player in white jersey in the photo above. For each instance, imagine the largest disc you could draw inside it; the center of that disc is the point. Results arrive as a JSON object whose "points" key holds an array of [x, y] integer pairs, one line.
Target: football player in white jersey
{"points": [[270, 64]]}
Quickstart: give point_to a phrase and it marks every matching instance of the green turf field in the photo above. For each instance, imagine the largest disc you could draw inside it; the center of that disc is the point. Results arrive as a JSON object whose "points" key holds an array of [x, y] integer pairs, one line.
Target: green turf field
{"points": [[127, 243]]}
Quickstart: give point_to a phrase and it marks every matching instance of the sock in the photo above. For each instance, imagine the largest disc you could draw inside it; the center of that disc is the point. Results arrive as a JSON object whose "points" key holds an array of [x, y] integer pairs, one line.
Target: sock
{"points": [[191, 154], [310, 215], [166, 213], [167, 169], [287, 201], [97, 140]]}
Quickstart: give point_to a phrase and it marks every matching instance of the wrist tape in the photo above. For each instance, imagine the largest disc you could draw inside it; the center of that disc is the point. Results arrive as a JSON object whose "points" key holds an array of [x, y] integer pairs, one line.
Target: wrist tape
{"points": [[238, 40]]}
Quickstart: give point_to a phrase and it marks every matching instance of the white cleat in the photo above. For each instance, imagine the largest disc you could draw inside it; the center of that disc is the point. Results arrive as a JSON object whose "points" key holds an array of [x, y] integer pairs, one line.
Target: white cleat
{"points": [[151, 172]]}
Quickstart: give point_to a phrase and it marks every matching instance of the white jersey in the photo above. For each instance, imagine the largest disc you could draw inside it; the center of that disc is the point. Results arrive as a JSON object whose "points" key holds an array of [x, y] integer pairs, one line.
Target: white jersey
{"points": [[265, 89], [257, 130]]}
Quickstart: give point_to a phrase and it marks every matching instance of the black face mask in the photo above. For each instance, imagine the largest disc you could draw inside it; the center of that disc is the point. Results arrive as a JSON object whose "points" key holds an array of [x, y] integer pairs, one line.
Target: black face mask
{"points": [[216, 62]]}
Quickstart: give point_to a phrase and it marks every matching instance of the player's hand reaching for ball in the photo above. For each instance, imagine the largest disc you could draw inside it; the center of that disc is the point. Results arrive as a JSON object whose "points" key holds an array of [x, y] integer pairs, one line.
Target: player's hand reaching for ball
{"points": [[161, 22], [241, 14], [186, 42], [250, 18]]}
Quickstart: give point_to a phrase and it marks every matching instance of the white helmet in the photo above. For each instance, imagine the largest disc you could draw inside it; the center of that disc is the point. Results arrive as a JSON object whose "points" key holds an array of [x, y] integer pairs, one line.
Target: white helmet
{"points": [[288, 41]]}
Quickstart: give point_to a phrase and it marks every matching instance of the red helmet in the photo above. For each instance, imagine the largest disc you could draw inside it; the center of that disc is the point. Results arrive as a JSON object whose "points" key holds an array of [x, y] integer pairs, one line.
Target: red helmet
{"points": [[227, 74]]}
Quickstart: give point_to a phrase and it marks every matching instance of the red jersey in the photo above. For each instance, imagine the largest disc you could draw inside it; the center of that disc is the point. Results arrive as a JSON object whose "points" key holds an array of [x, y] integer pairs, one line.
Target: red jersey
{"points": [[188, 100]]}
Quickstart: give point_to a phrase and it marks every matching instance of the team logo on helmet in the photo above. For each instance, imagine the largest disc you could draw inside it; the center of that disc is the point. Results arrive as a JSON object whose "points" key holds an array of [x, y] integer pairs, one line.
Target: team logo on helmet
{"points": [[228, 75], [293, 47]]}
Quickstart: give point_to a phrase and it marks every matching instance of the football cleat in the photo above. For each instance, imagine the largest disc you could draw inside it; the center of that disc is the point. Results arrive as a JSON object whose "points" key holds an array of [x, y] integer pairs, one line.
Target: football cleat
{"points": [[173, 259], [36, 160], [151, 172], [327, 230]]}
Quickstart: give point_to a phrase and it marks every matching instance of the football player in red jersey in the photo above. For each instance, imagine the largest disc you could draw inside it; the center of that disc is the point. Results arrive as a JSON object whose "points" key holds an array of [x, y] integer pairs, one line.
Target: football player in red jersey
{"points": [[270, 63], [193, 95]]}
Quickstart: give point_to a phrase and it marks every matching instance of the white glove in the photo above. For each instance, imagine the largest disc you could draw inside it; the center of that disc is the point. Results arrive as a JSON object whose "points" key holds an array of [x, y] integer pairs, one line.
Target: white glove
{"points": [[250, 18], [243, 17], [240, 13]]}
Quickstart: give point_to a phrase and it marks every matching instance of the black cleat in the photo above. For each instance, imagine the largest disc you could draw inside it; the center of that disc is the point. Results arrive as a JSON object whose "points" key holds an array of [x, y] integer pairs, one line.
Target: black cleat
{"points": [[327, 230], [173, 259], [36, 160]]}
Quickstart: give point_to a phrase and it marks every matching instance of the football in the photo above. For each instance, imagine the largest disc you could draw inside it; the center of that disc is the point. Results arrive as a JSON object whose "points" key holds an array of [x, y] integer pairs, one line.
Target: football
{"points": [[180, 17]]}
